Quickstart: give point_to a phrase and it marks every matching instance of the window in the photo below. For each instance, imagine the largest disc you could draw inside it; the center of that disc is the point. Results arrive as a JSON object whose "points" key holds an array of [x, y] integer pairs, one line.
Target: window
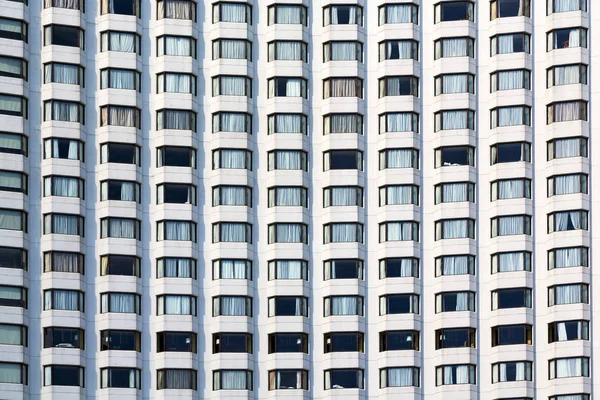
{"points": [[15, 106], [169, 267], [232, 122], [235, 49], [68, 4], [455, 265], [63, 375], [343, 87], [65, 186], [176, 9], [344, 379], [288, 343], [232, 343], [13, 373], [288, 269], [120, 190], [567, 257], [176, 379], [14, 29], [399, 50], [120, 303], [173, 156], [566, 38], [511, 262], [343, 269], [453, 83], [399, 377], [233, 196], [568, 294], [511, 371], [288, 379], [398, 158], [343, 159], [454, 301], [568, 330], [12, 257], [70, 74], [230, 85], [336, 342], [343, 232], [13, 296], [122, 153], [114, 377], [508, 225], [507, 335], [232, 379], [446, 120], [176, 230], [288, 306], [232, 12], [398, 195], [127, 42], [453, 192], [510, 116], [287, 123], [567, 221], [113, 264], [183, 46], [287, 14], [567, 147], [287, 87], [291, 50], [510, 8], [232, 159], [128, 7], [511, 298], [571, 396], [64, 224], [454, 156], [392, 231], [14, 220], [60, 261], [288, 196], [119, 116], [64, 35], [511, 189], [510, 43], [14, 143], [510, 152], [12, 181], [125, 228], [399, 304], [176, 193], [398, 267], [567, 111], [288, 160], [454, 338], [455, 375], [454, 47], [399, 14], [559, 6], [62, 148], [343, 305], [398, 340], [176, 119], [455, 229], [288, 233], [120, 340], [232, 306], [567, 184], [113, 78], [12, 67], [171, 304], [176, 342], [342, 51], [233, 232], [342, 15], [68, 338], [454, 11], [558, 75], [171, 82], [399, 122], [65, 300], [68, 111], [568, 367], [510, 80]]}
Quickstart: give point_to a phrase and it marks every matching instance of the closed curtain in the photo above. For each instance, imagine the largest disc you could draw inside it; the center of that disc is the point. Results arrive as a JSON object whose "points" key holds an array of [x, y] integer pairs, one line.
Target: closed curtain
{"points": [[344, 305], [232, 48], [232, 159], [178, 379], [289, 196], [293, 87], [122, 228], [230, 122], [12, 66], [574, 38], [510, 116], [567, 75], [121, 303], [509, 80], [455, 83], [233, 269], [178, 305], [11, 293], [454, 192], [62, 73], [512, 189], [64, 186], [11, 180], [10, 373], [566, 184], [233, 232], [288, 269], [63, 111], [10, 219], [568, 257], [509, 262], [397, 14], [399, 158], [288, 14], [565, 6], [399, 377], [343, 123], [230, 85], [455, 265], [513, 225], [65, 224], [175, 119], [568, 367], [175, 83], [399, 194], [231, 195], [232, 306], [10, 334], [456, 47], [13, 104], [290, 51], [118, 116], [61, 300], [399, 231], [118, 79], [567, 148], [69, 4], [128, 191], [63, 262], [176, 9], [343, 233], [287, 123], [233, 380], [120, 41], [568, 294], [178, 230], [455, 120], [342, 196], [286, 233], [342, 51], [232, 12], [399, 122], [343, 87], [177, 267], [9, 141], [288, 159], [505, 44], [455, 229], [462, 374], [567, 111], [177, 46]]}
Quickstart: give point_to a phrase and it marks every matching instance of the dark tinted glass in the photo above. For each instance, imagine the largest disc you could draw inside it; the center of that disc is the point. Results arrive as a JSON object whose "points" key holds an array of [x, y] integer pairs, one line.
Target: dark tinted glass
{"points": [[285, 306], [122, 265], [176, 341], [511, 298], [394, 268], [177, 156], [287, 343], [343, 14], [63, 147], [347, 379], [455, 11], [344, 269], [345, 341], [231, 343], [119, 377], [512, 334], [397, 340], [119, 340], [11, 257], [455, 156], [451, 338], [509, 8], [63, 337], [123, 7], [179, 194], [121, 153], [63, 35], [399, 303], [343, 159], [509, 152], [63, 375]]}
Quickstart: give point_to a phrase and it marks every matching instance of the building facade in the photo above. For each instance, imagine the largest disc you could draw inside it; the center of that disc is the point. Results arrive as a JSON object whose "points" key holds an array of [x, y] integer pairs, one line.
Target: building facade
{"points": [[297, 199]]}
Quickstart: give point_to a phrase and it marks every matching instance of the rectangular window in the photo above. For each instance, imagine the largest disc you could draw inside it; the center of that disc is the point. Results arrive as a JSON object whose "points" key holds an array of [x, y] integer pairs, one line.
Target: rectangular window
{"points": [[399, 50], [288, 306], [13, 29], [176, 342], [232, 159], [399, 304], [288, 233], [566, 38], [567, 257], [127, 42], [234, 49], [343, 305], [399, 14], [173, 156], [288, 269], [399, 268], [113, 78], [61, 261], [560, 6], [65, 300], [170, 267], [69, 338], [113, 264], [67, 4], [171, 82], [231, 85], [176, 230], [568, 294], [453, 192], [455, 265], [120, 303], [286, 87], [176, 119], [345, 14], [454, 83], [508, 225], [398, 340], [119, 116], [64, 224], [567, 147], [288, 196], [287, 160], [117, 377], [63, 375], [454, 47], [454, 11], [232, 379], [287, 123], [13, 257], [70, 74], [68, 111], [512, 79], [398, 231], [567, 111], [343, 232], [232, 232], [455, 229], [12, 67], [511, 298], [398, 158], [567, 75], [571, 396], [343, 87], [336, 196], [288, 379], [63, 148], [171, 304], [175, 193], [14, 220], [454, 119], [232, 196], [568, 330], [123, 228], [288, 50], [510, 116], [511, 371], [14, 373], [176, 379], [232, 343], [455, 375], [13, 335], [13, 143], [399, 377], [127, 7], [288, 343], [504, 189], [232, 12], [342, 51], [454, 156], [342, 123], [121, 153], [510, 43], [15, 106], [344, 379], [232, 122], [176, 9], [12, 181], [399, 122], [343, 160], [339, 342], [65, 186], [120, 340], [64, 35], [343, 269], [181, 46], [232, 306], [287, 14], [569, 367], [567, 184], [510, 8], [454, 301], [510, 152], [398, 195], [567, 221], [120, 190], [508, 335], [453, 338], [13, 296]]}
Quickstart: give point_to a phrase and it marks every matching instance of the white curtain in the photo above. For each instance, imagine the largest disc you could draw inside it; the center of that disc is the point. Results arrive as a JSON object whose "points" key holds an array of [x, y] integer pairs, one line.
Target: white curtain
{"points": [[11, 141], [455, 83], [509, 262], [566, 6], [398, 122], [119, 302], [398, 158], [233, 269], [230, 122], [396, 50], [176, 119], [457, 119], [178, 378], [511, 225], [513, 189], [61, 300], [118, 116], [61, 73], [568, 294], [175, 83], [510, 116], [338, 11], [344, 233], [455, 265], [345, 305], [287, 269], [175, 46], [287, 159], [232, 232], [62, 186], [510, 80], [397, 377], [454, 47], [231, 159], [457, 228], [572, 396], [62, 111], [178, 230], [453, 192], [287, 196], [11, 335], [175, 268], [286, 233], [397, 194], [11, 373], [233, 380], [568, 367], [118, 79], [119, 41], [342, 87], [505, 43], [462, 374], [64, 224], [231, 306], [287, 123], [13, 104], [230, 48], [176, 9], [226, 85], [69, 4], [343, 123], [396, 14], [178, 305], [231, 12], [567, 111], [566, 74], [230, 196], [286, 51], [11, 219], [11, 181], [569, 220], [564, 148], [568, 257], [342, 51], [14, 66], [396, 231], [288, 14], [341, 196], [120, 228], [567, 184]]}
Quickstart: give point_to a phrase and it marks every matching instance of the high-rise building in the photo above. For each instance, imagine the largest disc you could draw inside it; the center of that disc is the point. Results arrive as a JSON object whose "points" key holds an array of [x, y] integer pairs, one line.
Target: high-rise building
{"points": [[296, 199]]}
